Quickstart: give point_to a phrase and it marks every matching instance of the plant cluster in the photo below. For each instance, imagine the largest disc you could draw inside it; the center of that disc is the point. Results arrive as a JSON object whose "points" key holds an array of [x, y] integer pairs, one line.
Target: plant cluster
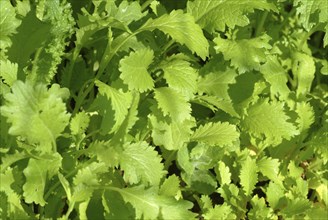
{"points": [[156, 109]]}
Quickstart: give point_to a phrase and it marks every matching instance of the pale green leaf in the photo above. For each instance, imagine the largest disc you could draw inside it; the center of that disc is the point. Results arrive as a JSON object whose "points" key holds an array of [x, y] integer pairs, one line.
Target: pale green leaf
{"points": [[140, 162], [79, 123], [217, 83], [248, 175], [85, 180], [15, 207], [180, 76], [269, 122], [121, 102], [8, 23], [216, 15], [303, 71], [307, 9], [182, 28], [269, 167], [170, 135], [297, 206], [134, 70], [128, 12], [305, 114], [276, 75], [37, 173], [245, 54], [221, 134], [172, 104], [36, 113], [259, 210], [221, 212], [170, 187], [149, 205], [8, 72], [275, 192], [223, 173]]}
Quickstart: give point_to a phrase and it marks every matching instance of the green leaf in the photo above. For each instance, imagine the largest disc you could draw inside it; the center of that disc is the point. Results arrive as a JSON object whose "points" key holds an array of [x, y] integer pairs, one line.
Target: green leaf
{"points": [[269, 121], [149, 205], [275, 193], [220, 212], [180, 76], [79, 123], [31, 35], [37, 173], [217, 82], [223, 173], [128, 12], [182, 28], [246, 54], [8, 72], [120, 101], [276, 75], [221, 134], [170, 187], [134, 70], [297, 206], [141, 162], [173, 104], [4, 205], [16, 209], [248, 175], [312, 12], [216, 15], [8, 23], [170, 135], [303, 71], [269, 167], [86, 180], [36, 113], [260, 210], [305, 114]]}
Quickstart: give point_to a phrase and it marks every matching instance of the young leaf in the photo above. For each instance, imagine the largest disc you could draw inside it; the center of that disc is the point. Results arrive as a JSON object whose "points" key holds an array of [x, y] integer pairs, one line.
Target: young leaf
{"points": [[8, 23], [180, 76], [173, 104], [216, 15], [170, 135], [141, 162], [269, 120], [37, 173], [223, 173], [305, 116], [121, 102], [245, 54], [269, 167], [303, 71], [79, 123], [220, 212], [182, 28], [222, 134], [8, 72], [36, 113], [149, 205], [248, 175], [134, 70], [170, 187], [275, 74]]}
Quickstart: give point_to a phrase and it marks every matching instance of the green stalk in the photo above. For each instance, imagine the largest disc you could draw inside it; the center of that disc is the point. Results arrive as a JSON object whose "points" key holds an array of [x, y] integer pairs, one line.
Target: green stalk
{"points": [[107, 57], [146, 4], [260, 24]]}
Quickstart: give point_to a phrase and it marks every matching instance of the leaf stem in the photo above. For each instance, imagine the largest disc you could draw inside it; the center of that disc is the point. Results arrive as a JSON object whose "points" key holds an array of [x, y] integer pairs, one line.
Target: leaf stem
{"points": [[260, 24], [146, 4]]}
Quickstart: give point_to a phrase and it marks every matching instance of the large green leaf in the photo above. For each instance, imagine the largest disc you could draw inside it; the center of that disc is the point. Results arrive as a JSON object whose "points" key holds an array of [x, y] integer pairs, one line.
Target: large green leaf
{"points": [[182, 28]]}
